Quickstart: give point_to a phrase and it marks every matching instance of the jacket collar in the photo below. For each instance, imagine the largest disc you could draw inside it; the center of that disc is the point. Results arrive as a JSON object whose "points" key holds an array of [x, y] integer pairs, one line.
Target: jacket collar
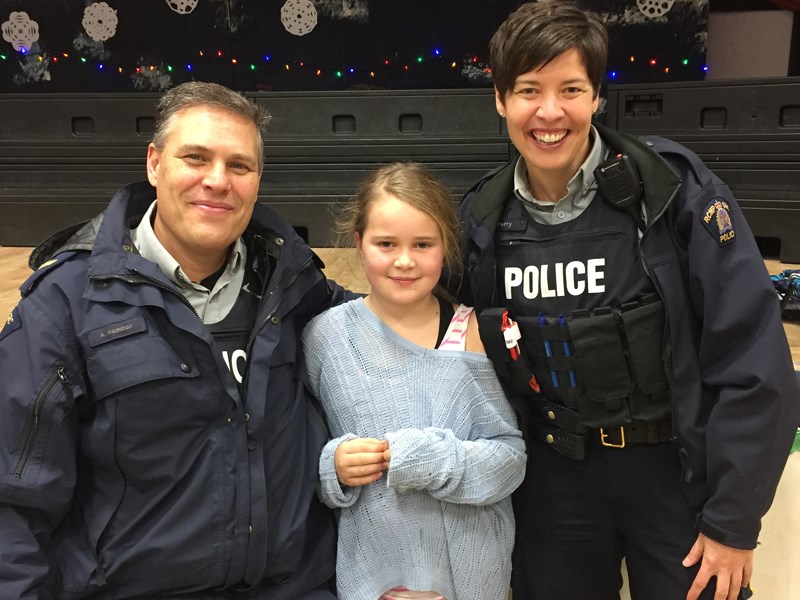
{"points": [[107, 236], [659, 180]]}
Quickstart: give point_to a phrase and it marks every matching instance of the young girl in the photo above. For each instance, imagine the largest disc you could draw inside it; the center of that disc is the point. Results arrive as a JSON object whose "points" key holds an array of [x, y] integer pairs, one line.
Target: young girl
{"points": [[408, 392]]}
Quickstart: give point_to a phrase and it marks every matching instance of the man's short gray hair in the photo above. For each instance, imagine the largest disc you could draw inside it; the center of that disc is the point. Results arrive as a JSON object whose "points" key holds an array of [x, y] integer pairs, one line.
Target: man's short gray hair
{"points": [[198, 93]]}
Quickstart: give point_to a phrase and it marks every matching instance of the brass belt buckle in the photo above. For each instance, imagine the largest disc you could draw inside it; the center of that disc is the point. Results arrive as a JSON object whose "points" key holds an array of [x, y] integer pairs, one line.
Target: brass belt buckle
{"points": [[604, 436]]}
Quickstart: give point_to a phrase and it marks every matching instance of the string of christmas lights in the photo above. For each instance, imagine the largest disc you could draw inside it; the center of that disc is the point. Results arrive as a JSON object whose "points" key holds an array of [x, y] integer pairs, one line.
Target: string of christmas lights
{"points": [[685, 63], [251, 64], [268, 60]]}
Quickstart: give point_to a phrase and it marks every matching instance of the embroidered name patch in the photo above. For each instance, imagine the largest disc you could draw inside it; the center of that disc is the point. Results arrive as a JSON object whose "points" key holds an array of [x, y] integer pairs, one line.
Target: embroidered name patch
{"points": [[116, 331], [12, 323], [719, 222], [512, 225]]}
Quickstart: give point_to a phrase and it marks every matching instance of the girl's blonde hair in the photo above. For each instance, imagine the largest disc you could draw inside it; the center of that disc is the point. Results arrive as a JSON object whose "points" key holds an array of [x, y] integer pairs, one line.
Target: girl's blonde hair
{"points": [[415, 185]]}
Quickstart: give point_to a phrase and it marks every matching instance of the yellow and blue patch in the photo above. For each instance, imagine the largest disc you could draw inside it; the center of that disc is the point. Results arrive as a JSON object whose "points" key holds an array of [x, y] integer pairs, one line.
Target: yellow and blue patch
{"points": [[46, 267], [718, 220], [12, 323]]}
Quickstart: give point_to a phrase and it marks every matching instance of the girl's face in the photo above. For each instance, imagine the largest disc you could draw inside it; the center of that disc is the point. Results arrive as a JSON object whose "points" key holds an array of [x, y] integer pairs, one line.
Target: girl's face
{"points": [[402, 252]]}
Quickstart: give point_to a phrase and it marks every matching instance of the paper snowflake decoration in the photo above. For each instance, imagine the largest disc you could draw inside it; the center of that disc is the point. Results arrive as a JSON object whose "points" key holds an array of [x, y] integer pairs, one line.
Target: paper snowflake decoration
{"points": [[100, 21], [299, 17], [183, 7], [655, 8], [20, 31]]}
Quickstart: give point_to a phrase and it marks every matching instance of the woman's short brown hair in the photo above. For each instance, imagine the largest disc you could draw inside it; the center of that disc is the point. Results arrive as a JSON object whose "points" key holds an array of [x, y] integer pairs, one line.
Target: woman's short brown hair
{"points": [[538, 32]]}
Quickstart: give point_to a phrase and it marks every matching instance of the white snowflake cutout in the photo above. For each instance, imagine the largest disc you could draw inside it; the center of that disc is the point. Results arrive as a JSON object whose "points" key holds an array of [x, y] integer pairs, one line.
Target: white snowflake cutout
{"points": [[100, 21], [20, 31], [183, 7], [299, 17], [654, 8]]}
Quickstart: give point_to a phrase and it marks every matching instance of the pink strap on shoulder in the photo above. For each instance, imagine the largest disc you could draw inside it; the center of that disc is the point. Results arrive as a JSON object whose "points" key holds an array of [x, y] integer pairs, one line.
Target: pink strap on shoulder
{"points": [[455, 338]]}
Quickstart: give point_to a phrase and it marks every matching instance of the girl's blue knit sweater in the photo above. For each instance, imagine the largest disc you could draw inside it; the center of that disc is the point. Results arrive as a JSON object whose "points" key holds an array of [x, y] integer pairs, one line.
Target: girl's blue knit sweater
{"points": [[441, 518]]}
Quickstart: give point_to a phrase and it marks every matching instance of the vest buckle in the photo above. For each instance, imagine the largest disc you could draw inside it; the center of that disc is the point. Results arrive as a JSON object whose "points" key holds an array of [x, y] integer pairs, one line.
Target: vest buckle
{"points": [[604, 438]]}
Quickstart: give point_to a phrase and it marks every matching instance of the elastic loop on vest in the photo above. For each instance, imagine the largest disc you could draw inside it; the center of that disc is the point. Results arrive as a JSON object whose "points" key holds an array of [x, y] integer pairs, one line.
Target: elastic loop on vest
{"points": [[608, 364]]}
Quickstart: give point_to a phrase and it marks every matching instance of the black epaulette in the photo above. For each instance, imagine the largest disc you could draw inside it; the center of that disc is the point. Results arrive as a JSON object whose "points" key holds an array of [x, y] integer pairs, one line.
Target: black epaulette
{"points": [[46, 267]]}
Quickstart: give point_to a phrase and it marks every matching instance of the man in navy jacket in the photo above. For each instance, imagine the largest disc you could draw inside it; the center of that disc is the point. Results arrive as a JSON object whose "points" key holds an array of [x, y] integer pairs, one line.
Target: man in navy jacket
{"points": [[155, 435]]}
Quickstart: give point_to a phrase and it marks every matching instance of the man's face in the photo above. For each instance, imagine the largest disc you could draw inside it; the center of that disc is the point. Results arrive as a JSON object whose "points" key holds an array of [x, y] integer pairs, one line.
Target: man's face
{"points": [[206, 178], [549, 114]]}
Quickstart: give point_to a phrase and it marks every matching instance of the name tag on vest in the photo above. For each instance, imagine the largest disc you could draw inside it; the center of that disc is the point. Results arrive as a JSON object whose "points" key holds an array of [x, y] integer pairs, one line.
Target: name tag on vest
{"points": [[512, 225]]}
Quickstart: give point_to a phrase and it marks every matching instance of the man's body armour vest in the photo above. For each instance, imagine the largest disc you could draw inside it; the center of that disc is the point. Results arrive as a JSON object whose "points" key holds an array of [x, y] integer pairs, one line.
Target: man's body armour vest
{"points": [[591, 325], [232, 334]]}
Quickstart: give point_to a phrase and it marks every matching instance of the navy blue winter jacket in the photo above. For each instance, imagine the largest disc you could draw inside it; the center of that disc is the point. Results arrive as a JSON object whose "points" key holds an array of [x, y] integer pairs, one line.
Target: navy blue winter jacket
{"points": [[131, 463], [735, 397]]}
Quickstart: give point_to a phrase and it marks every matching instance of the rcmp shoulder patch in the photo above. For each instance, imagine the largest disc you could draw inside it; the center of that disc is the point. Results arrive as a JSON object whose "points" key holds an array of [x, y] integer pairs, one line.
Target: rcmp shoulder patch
{"points": [[12, 323], [718, 220], [27, 287]]}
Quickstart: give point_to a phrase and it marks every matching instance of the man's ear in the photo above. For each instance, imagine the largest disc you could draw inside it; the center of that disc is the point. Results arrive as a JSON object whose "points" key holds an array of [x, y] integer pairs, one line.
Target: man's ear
{"points": [[153, 157]]}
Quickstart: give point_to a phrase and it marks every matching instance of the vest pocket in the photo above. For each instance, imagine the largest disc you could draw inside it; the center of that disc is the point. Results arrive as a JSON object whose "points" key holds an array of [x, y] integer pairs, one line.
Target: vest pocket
{"points": [[602, 369], [644, 329]]}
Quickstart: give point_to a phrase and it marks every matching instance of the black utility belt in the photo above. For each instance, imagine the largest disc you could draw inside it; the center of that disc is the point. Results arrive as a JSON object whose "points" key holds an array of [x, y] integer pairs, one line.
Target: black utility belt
{"points": [[607, 364], [574, 445]]}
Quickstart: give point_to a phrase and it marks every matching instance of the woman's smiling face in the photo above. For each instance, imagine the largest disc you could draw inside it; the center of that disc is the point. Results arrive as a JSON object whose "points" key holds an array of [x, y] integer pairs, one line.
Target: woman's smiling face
{"points": [[549, 117]]}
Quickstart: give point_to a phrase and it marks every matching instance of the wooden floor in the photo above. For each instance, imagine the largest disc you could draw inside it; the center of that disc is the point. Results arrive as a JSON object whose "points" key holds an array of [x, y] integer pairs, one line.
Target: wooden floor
{"points": [[13, 271]]}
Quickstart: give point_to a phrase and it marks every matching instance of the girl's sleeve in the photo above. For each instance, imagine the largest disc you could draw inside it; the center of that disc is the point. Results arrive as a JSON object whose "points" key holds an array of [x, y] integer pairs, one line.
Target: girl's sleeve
{"points": [[316, 353], [333, 493], [483, 469]]}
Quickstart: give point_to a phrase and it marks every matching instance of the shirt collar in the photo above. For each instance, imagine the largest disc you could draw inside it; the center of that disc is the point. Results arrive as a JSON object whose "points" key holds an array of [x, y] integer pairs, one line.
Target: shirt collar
{"points": [[580, 188], [150, 248]]}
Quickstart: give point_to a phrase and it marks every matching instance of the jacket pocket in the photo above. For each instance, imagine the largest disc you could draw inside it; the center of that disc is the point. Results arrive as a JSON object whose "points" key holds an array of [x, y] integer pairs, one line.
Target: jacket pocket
{"points": [[134, 360]]}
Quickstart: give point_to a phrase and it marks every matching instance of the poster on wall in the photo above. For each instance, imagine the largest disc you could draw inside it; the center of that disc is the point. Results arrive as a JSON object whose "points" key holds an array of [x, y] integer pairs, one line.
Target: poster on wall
{"points": [[286, 45]]}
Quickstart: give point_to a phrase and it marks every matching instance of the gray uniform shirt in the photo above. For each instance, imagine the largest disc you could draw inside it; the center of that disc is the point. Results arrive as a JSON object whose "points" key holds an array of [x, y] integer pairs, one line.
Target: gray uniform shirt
{"points": [[580, 189], [212, 305]]}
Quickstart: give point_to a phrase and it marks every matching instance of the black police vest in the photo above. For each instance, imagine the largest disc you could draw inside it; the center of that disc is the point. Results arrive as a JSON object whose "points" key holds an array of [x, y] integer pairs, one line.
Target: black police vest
{"points": [[232, 334], [591, 325], [585, 263]]}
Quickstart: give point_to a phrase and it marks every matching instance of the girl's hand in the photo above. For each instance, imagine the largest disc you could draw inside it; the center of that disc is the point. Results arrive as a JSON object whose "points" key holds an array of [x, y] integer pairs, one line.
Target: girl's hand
{"points": [[360, 461]]}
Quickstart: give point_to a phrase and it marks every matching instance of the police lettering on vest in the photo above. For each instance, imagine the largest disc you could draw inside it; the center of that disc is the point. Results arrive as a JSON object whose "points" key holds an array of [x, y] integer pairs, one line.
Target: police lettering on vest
{"points": [[574, 278], [232, 334], [236, 362], [585, 263]]}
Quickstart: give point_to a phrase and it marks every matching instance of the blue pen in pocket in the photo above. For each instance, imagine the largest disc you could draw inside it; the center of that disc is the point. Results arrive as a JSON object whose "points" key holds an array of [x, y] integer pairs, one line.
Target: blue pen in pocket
{"points": [[548, 350], [567, 352]]}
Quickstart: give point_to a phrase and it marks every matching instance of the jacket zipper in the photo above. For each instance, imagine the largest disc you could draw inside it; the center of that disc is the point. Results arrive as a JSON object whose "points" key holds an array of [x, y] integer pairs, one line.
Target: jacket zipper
{"points": [[59, 375], [263, 323], [649, 274], [145, 279]]}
